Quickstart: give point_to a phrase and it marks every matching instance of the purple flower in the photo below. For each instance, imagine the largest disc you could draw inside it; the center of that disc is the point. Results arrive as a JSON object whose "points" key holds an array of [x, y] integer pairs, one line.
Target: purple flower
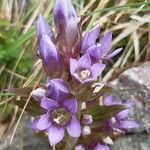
{"points": [[101, 50], [84, 71], [66, 24], [101, 146], [120, 122], [49, 55], [59, 115]]}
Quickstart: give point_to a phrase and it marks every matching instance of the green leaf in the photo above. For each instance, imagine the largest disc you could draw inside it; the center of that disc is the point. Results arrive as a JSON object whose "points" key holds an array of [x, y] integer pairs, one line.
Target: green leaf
{"points": [[33, 107], [101, 113]]}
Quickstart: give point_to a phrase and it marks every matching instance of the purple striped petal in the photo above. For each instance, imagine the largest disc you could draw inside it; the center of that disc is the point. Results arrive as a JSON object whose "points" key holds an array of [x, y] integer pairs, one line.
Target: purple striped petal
{"points": [[73, 127], [114, 53], [128, 124], [123, 114], [73, 65], [94, 53], [42, 28], [90, 38], [55, 134], [49, 104], [96, 69], [105, 43], [84, 61], [71, 105], [42, 123], [58, 89], [49, 55]]}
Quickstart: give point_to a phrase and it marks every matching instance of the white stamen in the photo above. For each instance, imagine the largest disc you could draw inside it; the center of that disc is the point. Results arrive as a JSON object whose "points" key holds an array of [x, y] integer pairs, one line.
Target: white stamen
{"points": [[84, 74]]}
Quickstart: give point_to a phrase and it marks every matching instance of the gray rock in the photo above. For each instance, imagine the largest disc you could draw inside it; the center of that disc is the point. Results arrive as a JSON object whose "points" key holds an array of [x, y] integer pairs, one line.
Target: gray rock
{"points": [[132, 142], [25, 138], [137, 82]]}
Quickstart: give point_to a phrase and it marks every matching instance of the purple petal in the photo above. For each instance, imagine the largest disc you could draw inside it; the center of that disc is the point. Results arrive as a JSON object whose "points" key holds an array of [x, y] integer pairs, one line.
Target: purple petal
{"points": [[38, 93], [73, 65], [71, 105], [66, 22], [48, 104], [58, 89], [123, 114], [55, 135], [105, 43], [76, 76], [90, 38], [109, 100], [49, 55], [42, 123], [114, 53], [90, 80], [100, 146], [84, 61], [94, 53], [73, 127], [42, 27], [128, 124], [96, 69]]}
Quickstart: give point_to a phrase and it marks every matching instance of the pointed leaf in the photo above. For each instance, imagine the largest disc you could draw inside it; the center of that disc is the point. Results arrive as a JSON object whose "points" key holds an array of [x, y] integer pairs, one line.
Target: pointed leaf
{"points": [[32, 108]]}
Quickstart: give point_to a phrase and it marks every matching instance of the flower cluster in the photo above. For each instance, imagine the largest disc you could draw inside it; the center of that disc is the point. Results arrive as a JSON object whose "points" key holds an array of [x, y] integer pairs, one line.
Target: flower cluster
{"points": [[72, 64]]}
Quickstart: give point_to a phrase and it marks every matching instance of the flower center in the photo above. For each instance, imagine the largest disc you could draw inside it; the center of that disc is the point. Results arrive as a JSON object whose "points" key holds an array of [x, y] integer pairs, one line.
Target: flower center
{"points": [[60, 116], [84, 74], [113, 120]]}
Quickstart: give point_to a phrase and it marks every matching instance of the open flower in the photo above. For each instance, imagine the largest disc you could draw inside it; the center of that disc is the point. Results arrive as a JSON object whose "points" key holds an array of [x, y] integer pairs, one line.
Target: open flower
{"points": [[101, 50], [120, 122], [84, 71], [59, 115]]}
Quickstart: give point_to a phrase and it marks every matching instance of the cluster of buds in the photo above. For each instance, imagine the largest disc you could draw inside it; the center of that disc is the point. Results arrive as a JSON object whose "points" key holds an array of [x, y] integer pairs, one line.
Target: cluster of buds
{"points": [[72, 63]]}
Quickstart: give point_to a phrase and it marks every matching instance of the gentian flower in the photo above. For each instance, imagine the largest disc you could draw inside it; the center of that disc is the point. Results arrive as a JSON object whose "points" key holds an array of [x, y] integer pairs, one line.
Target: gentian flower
{"points": [[101, 50], [60, 112], [59, 115], [120, 121], [84, 71]]}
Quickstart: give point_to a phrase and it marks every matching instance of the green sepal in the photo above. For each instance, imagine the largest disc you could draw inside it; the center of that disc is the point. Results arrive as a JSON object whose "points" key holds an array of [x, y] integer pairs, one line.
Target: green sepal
{"points": [[33, 107]]}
